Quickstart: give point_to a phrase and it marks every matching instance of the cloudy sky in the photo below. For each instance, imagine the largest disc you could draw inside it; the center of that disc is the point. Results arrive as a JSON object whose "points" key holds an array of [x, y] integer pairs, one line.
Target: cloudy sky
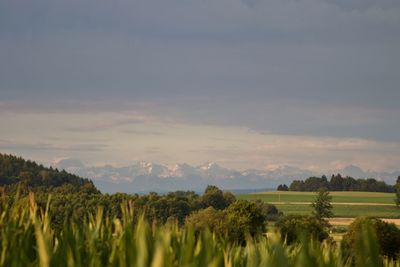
{"points": [[245, 83]]}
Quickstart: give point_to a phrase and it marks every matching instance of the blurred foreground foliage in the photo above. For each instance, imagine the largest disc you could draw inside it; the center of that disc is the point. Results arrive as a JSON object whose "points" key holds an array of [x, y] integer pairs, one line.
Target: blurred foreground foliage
{"points": [[27, 238]]}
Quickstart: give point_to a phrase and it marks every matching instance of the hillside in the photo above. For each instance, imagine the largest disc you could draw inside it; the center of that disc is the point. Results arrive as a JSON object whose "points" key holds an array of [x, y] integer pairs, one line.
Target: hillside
{"points": [[16, 170]]}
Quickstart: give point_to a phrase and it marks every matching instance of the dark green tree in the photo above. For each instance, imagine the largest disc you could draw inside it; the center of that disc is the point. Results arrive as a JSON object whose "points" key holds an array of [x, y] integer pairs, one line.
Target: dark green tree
{"points": [[292, 227], [244, 217], [387, 234], [214, 197], [336, 183], [209, 218], [322, 205], [269, 211], [229, 197], [282, 187]]}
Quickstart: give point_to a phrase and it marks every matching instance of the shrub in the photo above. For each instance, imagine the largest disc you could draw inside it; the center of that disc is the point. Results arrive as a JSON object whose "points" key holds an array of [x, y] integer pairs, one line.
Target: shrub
{"points": [[282, 187], [239, 219], [244, 217], [388, 236], [269, 211], [292, 227], [209, 218], [214, 197]]}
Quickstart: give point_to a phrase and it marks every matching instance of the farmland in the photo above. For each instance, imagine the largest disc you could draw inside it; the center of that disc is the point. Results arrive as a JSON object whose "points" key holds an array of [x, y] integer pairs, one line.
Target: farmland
{"points": [[345, 204]]}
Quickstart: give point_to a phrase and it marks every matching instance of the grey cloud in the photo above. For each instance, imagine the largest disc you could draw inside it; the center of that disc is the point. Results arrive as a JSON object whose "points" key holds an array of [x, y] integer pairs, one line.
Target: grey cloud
{"points": [[73, 106], [291, 116], [231, 62], [363, 5], [107, 125], [21, 146], [139, 132], [87, 61], [152, 150], [232, 150]]}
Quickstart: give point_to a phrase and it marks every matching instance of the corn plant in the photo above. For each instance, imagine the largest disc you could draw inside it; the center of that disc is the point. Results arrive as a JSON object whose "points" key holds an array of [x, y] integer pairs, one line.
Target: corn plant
{"points": [[27, 239]]}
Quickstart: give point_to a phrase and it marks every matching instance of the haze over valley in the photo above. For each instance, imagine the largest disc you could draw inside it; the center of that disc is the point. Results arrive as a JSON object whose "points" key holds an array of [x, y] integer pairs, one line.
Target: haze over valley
{"points": [[144, 177]]}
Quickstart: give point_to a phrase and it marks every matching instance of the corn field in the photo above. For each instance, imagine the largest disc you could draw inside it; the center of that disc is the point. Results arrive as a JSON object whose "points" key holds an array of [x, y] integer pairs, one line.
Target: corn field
{"points": [[27, 239]]}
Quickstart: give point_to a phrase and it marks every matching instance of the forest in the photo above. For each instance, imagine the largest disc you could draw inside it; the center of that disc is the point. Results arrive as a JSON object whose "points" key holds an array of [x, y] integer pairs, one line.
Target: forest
{"points": [[338, 183]]}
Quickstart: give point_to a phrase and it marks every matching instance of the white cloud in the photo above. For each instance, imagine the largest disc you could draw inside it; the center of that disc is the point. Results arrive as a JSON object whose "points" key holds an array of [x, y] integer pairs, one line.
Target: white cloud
{"points": [[45, 136], [200, 74]]}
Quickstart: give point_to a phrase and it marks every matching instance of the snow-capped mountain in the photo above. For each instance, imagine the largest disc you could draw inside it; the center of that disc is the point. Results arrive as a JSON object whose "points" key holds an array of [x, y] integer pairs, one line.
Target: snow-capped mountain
{"points": [[147, 176], [182, 170], [213, 170]]}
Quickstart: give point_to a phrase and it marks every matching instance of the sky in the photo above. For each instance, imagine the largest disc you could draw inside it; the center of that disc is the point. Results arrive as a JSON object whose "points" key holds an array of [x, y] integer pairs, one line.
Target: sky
{"points": [[245, 83]]}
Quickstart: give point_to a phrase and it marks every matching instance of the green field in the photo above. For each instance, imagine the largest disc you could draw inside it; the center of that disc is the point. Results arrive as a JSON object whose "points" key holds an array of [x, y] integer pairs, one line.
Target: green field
{"points": [[298, 203], [343, 197]]}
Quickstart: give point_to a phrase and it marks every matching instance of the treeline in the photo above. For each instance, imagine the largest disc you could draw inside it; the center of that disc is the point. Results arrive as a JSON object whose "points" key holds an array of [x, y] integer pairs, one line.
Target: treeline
{"points": [[213, 209], [29, 174], [338, 183]]}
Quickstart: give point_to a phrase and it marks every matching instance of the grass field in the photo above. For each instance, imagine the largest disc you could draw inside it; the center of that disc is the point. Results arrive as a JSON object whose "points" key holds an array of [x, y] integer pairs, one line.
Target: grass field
{"points": [[337, 197], [345, 204]]}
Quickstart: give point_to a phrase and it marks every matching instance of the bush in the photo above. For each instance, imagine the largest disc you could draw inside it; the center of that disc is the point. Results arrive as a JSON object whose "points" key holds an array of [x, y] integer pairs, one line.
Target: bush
{"points": [[282, 187], [214, 197], [388, 236], [269, 211], [244, 217], [209, 218], [239, 219], [292, 227]]}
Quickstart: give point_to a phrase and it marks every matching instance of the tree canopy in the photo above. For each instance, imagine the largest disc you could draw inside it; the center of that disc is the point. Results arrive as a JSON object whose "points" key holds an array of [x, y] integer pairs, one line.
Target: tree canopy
{"points": [[28, 174], [387, 234], [339, 183], [322, 206]]}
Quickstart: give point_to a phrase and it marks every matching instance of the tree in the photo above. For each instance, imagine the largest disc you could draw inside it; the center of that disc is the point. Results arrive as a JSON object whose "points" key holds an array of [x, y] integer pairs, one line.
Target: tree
{"points": [[283, 187], [322, 205], [214, 197], [229, 197], [244, 217], [387, 235], [292, 227], [209, 218], [297, 185], [269, 211], [336, 183], [315, 183]]}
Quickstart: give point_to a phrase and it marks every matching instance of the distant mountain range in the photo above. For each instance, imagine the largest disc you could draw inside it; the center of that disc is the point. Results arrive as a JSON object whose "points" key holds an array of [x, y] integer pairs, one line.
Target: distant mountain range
{"points": [[142, 177]]}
